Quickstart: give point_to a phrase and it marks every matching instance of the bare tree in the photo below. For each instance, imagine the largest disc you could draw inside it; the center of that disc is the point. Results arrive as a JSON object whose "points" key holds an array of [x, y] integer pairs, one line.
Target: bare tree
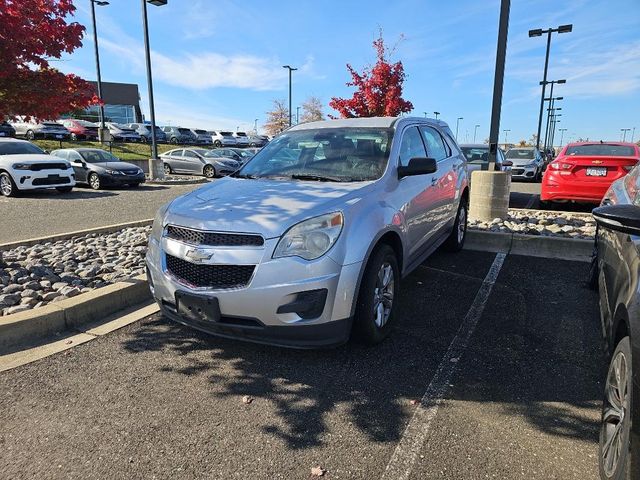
{"points": [[277, 118], [312, 110]]}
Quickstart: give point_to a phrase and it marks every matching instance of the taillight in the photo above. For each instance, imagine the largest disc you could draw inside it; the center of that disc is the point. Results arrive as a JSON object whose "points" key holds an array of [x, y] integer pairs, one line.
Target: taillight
{"points": [[560, 166]]}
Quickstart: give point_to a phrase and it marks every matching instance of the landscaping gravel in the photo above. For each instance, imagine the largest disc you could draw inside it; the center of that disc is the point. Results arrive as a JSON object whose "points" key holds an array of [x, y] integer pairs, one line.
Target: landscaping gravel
{"points": [[541, 222], [31, 277]]}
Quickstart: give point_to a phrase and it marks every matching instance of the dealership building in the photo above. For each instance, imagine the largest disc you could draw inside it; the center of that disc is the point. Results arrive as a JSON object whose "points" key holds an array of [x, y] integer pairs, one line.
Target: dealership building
{"points": [[121, 103]]}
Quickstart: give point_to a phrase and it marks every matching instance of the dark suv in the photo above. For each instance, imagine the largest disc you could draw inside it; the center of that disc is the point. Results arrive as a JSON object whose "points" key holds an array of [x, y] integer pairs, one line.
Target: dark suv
{"points": [[179, 135], [144, 130]]}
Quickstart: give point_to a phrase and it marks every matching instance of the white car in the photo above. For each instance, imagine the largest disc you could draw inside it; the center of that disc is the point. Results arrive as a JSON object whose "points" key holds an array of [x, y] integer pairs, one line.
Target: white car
{"points": [[242, 140], [24, 166], [222, 138], [122, 133], [44, 129]]}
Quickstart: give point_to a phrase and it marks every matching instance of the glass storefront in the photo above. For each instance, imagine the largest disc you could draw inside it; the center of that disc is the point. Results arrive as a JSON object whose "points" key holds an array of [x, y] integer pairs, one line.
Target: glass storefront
{"points": [[112, 113]]}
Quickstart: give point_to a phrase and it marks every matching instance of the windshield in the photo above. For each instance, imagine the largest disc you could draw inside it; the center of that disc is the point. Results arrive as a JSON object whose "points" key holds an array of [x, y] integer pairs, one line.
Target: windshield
{"points": [[335, 154], [98, 156], [201, 132], [519, 153], [200, 151], [241, 134], [476, 155], [603, 149], [51, 124], [226, 134], [84, 123], [244, 153], [19, 148]]}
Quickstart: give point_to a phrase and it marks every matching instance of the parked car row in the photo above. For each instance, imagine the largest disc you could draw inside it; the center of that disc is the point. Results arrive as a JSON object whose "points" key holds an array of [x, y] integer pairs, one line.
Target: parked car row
{"points": [[201, 161]]}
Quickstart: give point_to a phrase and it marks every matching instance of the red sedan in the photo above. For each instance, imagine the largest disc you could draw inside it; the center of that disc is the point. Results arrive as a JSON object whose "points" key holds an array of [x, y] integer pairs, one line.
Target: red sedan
{"points": [[583, 172]]}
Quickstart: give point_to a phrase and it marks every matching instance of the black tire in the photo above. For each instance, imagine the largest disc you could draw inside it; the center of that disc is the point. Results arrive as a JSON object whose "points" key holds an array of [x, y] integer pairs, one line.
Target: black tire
{"points": [[592, 279], [74, 137], [217, 144], [64, 189], [366, 328], [208, 171], [622, 468], [167, 169], [455, 241], [143, 139], [173, 140], [134, 185], [7, 185], [94, 181], [30, 135]]}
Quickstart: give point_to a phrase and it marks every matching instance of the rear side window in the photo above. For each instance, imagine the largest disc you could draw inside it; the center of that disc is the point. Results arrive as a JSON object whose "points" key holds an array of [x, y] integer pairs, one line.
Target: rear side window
{"points": [[184, 130], [436, 148], [176, 153], [190, 154], [411, 146]]}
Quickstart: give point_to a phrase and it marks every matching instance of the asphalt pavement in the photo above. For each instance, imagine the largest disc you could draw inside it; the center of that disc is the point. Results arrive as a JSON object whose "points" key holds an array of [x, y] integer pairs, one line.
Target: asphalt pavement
{"points": [[47, 212], [159, 400]]}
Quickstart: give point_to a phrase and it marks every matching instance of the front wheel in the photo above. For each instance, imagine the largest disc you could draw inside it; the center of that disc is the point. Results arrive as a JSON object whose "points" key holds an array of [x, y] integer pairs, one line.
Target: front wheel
{"points": [[174, 141], [209, 171], [380, 285], [7, 186], [74, 137], [30, 135], [455, 241], [615, 442], [217, 144], [94, 181], [167, 169]]}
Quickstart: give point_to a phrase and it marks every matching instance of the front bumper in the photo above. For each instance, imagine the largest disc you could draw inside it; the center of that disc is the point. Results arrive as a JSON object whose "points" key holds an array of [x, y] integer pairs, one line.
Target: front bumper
{"points": [[523, 173], [558, 188], [35, 180], [115, 180], [52, 135], [251, 312]]}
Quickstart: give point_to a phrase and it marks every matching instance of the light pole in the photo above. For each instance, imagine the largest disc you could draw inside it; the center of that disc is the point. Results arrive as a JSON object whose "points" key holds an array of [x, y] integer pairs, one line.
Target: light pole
{"points": [[425, 114], [561, 130], [538, 33], [255, 126], [475, 131], [550, 110], [624, 133], [633, 134], [291, 69], [98, 76], [155, 169], [297, 115], [555, 121], [457, 125], [506, 131], [436, 114]]}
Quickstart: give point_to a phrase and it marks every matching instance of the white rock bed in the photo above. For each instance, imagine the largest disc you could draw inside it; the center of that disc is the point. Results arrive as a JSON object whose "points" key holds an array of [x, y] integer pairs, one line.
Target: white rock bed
{"points": [[541, 222], [31, 277]]}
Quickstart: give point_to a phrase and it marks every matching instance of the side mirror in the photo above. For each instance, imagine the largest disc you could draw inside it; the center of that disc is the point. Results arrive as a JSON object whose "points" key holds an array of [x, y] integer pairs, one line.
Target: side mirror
{"points": [[620, 218], [46, 152], [78, 163], [507, 163], [418, 166]]}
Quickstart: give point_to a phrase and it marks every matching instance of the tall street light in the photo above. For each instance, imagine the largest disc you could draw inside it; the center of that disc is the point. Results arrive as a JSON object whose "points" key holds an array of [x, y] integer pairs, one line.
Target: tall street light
{"points": [[475, 131], [436, 114], [550, 111], [155, 165], [538, 33], [425, 114], [550, 100], [291, 69], [554, 123], [506, 131], [98, 76], [633, 134], [624, 133], [297, 115], [561, 130], [255, 126], [457, 125]]}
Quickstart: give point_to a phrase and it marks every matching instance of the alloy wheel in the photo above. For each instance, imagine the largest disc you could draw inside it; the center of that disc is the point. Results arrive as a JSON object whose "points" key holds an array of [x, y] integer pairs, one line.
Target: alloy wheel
{"points": [[5, 185], [167, 169], [615, 414], [383, 295], [94, 181], [209, 171], [462, 224]]}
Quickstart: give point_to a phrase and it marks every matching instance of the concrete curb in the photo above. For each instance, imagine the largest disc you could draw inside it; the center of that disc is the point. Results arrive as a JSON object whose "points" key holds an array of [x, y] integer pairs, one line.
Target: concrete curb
{"points": [[555, 212], [69, 314], [79, 233], [530, 245], [176, 182]]}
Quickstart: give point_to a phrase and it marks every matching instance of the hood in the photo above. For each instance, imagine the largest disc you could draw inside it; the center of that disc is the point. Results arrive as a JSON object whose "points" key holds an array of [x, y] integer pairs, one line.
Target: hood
{"points": [[34, 158], [268, 207], [521, 162], [116, 165]]}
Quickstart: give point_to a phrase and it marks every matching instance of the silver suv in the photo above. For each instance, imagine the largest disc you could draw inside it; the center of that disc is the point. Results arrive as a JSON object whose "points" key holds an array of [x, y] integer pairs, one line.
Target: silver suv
{"points": [[309, 240]]}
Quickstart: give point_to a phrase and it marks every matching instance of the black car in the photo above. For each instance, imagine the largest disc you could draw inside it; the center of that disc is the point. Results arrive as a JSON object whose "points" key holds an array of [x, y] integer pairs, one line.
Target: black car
{"points": [[98, 168], [7, 130], [616, 272]]}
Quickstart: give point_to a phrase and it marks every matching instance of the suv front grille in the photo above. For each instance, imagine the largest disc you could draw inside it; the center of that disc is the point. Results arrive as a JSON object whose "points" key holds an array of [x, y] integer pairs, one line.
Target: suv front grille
{"points": [[36, 167], [210, 276], [214, 239]]}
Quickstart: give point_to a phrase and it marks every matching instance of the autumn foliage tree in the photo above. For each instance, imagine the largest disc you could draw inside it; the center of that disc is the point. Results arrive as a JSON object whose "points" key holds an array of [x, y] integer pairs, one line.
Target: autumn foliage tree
{"points": [[277, 118], [32, 32], [378, 88], [312, 110]]}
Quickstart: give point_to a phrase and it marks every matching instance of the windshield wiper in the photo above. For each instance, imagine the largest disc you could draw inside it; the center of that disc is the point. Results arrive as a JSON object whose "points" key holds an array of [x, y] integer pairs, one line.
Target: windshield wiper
{"points": [[318, 178]]}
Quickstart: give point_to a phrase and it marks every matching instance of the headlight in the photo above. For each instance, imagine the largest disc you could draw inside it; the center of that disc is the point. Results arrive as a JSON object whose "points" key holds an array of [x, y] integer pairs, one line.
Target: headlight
{"points": [[531, 165], [311, 238], [21, 166], [158, 227]]}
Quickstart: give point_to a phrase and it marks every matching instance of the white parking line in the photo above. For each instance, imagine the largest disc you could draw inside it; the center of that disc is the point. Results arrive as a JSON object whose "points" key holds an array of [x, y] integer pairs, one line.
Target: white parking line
{"points": [[405, 454], [532, 201]]}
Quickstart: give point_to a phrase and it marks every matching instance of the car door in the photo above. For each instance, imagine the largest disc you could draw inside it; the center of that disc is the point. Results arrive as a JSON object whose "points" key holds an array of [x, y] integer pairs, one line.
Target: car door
{"points": [[78, 164], [449, 164], [418, 195], [192, 161], [175, 160]]}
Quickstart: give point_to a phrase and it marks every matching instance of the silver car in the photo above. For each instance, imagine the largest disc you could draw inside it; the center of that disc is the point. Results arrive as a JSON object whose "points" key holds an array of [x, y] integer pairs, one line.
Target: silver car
{"points": [[45, 129], [198, 161], [308, 241], [528, 163]]}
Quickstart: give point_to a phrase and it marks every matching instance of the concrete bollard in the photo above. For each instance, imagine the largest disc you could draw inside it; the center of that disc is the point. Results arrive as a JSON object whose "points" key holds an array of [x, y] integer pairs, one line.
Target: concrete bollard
{"points": [[156, 169], [489, 195]]}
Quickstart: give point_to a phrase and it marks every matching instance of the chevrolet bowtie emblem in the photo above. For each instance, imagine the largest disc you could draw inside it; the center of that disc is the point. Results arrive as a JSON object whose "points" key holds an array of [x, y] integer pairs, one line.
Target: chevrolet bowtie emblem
{"points": [[197, 255], [597, 162]]}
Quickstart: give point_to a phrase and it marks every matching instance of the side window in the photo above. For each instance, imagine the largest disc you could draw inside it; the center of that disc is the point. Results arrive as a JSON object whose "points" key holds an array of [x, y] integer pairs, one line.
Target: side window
{"points": [[190, 154], [435, 144], [176, 153], [411, 146]]}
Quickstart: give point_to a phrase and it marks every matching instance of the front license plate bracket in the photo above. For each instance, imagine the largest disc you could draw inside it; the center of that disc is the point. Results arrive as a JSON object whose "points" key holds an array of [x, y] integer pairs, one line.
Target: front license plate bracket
{"points": [[200, 308]]}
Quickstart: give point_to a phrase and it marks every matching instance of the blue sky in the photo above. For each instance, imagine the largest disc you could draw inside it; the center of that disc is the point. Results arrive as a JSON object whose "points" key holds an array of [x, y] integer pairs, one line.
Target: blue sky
{"points": [[218, 64]]}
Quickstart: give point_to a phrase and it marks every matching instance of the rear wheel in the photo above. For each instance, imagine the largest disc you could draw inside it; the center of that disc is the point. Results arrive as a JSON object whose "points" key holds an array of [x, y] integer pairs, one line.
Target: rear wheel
{"points": [[455, 241], [64, 189], [94, 181], [217, 143], [74, 137], [208, 171], [7, 186], [167, 169], [375, 308], [134, 185], [174, 141], [30, 135], [143, 139], [615, 427]]}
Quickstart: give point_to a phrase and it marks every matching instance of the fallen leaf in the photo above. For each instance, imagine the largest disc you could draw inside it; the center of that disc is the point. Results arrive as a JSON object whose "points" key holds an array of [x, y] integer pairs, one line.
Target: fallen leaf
{"points": [[247, 399], [414, 402], [318, 471]]}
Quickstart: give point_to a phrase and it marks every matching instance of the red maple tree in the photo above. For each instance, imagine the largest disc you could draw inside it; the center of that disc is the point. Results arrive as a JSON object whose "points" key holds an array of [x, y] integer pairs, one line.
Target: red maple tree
{"points": [[31, 33], [378, 88]]}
